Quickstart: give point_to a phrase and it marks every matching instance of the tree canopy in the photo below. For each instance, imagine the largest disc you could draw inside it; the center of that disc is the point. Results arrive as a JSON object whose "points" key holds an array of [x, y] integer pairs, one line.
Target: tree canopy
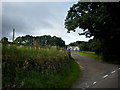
{"points": [[75, 43], [4, 40], [45, 40], [98, 19]]}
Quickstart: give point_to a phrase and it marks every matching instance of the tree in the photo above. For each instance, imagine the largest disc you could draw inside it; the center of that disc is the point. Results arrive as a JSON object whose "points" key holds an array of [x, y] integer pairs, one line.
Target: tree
{"points": [[75, 43], [4, 40], [100, 20], [83, 46], [94, 18], [95, 45], [45, 40]]}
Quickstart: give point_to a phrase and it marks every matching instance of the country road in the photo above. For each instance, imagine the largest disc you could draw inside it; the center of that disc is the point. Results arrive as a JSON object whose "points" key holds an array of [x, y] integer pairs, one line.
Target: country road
{"points": [[95, 74]]}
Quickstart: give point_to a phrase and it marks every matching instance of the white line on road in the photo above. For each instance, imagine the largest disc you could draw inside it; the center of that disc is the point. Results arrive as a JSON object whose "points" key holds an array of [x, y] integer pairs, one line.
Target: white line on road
{"points": [[94, 83], [105, 76], [113, 71], [119, 68]]}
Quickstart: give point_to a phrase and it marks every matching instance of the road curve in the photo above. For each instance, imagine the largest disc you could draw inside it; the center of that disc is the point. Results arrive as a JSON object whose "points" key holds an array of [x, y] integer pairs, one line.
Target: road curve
{"points": [[94, 73]]}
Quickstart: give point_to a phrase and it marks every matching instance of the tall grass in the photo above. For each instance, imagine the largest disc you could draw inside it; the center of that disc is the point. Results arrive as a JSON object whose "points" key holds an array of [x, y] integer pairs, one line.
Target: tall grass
{"points": [[37, 68]]}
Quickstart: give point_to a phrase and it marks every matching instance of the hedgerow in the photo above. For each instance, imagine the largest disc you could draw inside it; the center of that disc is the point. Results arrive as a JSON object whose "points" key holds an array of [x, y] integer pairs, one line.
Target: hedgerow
{"points": [[34, 68]]}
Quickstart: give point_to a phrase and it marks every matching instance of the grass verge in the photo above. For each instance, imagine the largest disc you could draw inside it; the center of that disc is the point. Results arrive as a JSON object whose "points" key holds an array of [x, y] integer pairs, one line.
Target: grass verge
{"points": [[96, 57], [73, 74], [89, 54], [62, 79]]}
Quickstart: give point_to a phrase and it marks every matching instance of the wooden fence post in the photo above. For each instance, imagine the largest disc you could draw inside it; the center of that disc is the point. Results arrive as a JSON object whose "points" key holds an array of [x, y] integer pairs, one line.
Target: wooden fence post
{"points": [[69, 53]]}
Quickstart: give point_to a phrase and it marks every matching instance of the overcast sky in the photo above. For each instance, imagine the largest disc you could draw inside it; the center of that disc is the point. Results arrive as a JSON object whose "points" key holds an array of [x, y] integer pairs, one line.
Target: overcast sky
{"points": [[37, 19]]}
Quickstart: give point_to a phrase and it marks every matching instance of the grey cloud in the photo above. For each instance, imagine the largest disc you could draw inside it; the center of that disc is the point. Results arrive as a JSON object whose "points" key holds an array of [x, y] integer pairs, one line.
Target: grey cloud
{"points": [[9, 23], [36, 19], [25, 17]]}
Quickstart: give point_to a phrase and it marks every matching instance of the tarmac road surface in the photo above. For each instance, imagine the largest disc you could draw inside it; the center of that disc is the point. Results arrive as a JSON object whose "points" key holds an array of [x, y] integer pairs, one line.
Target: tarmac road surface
{"points": [[109, 82], [95, 74]]}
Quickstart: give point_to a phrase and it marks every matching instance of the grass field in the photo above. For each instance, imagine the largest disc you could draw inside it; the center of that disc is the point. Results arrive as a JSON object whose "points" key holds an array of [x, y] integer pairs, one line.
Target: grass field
{"points": [[37, 68], [89, 54]]}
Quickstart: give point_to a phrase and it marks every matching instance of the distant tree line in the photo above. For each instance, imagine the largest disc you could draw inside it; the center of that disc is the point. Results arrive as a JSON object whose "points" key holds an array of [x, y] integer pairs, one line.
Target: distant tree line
{"points": [[45, 40], [92, 45]]}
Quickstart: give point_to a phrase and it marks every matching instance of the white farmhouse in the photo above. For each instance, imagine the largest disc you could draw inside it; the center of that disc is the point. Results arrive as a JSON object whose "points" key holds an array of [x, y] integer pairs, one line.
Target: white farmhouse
{"points": [[73, 48]]}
